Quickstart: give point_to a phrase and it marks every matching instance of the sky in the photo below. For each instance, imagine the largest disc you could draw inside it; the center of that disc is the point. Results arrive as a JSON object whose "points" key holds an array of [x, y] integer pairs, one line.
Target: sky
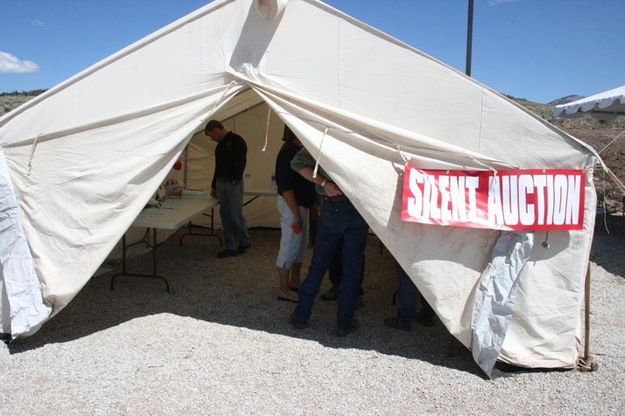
{"points": [[540, 50]]}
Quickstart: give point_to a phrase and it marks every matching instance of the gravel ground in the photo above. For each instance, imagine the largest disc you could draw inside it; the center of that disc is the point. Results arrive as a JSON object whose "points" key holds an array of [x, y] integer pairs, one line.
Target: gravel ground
{"points": [[221, 344]]}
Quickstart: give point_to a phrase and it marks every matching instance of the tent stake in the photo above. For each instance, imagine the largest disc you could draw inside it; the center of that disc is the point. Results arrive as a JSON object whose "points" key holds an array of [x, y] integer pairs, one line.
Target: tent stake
{"points": [[587, 362]]}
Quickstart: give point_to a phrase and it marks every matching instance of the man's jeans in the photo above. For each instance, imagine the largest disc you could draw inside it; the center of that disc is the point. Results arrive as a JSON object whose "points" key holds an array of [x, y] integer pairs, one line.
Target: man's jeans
{"points": [[339, 219], [336, 268], [230, 194], [408, 299]]}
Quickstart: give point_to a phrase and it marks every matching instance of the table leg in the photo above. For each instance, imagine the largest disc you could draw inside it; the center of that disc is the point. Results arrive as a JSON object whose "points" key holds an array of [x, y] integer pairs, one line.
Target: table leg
{"points": [[211, 232], [124, 271], [254, 198]]}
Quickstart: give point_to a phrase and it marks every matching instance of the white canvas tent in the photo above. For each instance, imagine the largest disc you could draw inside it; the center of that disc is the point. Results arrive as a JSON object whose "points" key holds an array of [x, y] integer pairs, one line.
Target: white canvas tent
{"points": [[603, 106], [79, 162]]}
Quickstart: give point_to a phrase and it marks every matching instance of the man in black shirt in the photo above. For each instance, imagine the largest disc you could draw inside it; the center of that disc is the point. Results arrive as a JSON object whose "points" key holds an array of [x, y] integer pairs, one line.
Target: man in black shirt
{"points": [[227, 186]]}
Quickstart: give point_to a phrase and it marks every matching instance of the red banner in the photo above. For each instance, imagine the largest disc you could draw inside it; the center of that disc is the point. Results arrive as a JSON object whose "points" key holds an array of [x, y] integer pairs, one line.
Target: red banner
{"points": [[520, 199]]}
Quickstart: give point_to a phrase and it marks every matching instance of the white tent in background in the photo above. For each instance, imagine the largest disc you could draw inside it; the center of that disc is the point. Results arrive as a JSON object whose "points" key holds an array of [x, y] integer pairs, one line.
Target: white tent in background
{"points": [[603, 106], [79, 162]]}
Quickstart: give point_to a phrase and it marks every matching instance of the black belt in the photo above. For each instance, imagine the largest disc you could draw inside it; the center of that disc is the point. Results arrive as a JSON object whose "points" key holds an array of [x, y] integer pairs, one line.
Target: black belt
{"points": [[339, 198]]}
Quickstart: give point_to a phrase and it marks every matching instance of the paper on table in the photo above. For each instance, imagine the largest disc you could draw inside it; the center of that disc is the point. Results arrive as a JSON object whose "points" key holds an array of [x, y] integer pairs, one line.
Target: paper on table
{"points": [[194, 192]]}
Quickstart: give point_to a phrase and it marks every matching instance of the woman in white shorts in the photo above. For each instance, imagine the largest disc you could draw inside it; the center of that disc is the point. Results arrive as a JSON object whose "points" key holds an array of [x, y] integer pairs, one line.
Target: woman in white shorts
{"points": [[295, 196]]}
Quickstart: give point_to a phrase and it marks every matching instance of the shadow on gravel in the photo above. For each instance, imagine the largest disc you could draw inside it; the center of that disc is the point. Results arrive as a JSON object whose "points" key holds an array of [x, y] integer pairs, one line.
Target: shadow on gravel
{"points": [[608, 247], [241, 292]]}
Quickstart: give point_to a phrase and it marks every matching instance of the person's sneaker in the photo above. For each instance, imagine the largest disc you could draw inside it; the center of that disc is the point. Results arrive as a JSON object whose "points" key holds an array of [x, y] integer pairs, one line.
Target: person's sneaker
{"points": [[345, 331], [331, 294], [296, 323], [395, 323], [241, 249], [227, 253]]}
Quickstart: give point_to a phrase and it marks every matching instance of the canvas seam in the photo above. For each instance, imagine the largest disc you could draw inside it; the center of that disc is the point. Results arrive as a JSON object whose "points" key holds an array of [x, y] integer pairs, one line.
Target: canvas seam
{"points": [[479, 143]]}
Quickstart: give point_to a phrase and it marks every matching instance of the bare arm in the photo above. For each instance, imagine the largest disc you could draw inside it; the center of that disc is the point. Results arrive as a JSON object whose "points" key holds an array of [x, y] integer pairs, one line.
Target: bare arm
{"points": [[289, 198], [328, 186]]}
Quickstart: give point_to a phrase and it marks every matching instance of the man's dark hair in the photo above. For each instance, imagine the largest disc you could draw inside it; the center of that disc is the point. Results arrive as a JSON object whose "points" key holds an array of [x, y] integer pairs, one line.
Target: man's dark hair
{"points": [[212, 124]]}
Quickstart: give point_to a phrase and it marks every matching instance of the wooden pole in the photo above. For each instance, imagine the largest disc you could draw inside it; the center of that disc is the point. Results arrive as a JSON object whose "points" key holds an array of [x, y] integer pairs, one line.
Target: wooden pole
{"points": [[587, 314], [587, 362]]}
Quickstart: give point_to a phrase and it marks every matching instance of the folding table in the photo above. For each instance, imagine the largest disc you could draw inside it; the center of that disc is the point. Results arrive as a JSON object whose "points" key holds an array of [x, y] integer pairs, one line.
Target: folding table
{"points": [[171, 215]]}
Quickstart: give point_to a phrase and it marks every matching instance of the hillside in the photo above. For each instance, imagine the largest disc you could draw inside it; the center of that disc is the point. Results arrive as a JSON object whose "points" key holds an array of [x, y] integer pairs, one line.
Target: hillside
{"points": [[595, 133], [10, 101], [566, 100]]}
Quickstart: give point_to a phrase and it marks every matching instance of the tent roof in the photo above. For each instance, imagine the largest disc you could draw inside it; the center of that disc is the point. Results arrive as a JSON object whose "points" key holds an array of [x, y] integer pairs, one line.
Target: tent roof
{"points": [[605, 105]]}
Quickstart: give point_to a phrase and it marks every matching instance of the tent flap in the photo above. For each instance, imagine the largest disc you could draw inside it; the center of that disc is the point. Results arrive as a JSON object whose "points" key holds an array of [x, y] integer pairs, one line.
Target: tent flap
{"points": [[495, 296], [22, 296]]}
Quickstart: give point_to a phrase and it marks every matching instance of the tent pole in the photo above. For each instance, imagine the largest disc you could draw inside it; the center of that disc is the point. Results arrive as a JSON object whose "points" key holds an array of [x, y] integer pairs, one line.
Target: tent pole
{"points": [[587, 314], [185, 166], [587, 362], [469, 38]]}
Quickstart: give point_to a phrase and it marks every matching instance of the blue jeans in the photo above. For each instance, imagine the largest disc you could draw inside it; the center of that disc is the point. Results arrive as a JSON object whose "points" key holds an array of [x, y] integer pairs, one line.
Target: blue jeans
{"points": [[339, 220], [230, 194], [336, 269], [408, 299]]}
